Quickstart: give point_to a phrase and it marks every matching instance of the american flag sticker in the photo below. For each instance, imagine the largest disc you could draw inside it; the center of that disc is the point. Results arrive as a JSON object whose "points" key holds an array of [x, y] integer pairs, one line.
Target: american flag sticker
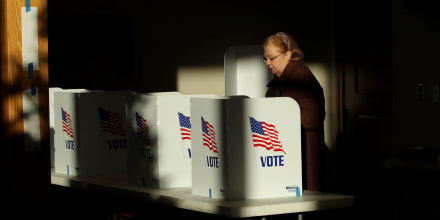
{"points": [[142, 130], [185, 126], [265, 135], [111, 122], [67, 123], [209, 136]]}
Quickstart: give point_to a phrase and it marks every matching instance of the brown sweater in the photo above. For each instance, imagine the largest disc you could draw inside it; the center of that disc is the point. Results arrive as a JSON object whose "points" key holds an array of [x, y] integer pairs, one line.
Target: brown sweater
{"points": [[299, 83]]}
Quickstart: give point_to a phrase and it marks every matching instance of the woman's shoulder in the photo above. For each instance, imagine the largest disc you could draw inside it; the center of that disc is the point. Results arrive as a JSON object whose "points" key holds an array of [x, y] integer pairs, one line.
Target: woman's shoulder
{"points": [[299, 72]]}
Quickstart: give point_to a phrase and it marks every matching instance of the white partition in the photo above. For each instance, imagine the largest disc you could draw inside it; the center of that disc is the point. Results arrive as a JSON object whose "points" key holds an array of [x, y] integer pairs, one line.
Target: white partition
{"points": [[245, 71], [159, 129], [90, 136], [246, 148], [52, 91]]}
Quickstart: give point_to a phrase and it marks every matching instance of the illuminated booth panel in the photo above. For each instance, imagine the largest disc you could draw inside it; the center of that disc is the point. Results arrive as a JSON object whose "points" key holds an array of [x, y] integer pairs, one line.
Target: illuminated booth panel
{"points": [[246, 148], [90, 135], [159, 136]]}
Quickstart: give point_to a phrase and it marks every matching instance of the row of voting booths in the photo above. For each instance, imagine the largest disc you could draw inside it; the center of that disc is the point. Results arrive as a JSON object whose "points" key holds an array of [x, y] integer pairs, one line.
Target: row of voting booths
{"points": [[227, 147]]}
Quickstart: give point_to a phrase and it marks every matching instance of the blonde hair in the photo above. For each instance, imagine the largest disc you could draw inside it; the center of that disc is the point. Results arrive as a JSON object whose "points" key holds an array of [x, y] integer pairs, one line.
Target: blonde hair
{"points": [[285, 43]]}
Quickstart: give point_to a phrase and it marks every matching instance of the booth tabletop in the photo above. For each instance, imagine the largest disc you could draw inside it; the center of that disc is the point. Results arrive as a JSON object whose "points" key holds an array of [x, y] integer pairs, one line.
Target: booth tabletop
{"points": [[184, 199]]}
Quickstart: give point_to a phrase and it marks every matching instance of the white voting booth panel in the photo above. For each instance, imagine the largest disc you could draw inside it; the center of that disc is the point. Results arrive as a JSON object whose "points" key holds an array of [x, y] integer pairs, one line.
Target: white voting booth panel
{"points": [[246, 148], [245, 71], [159, 127], [90, 136], [52, 91]]}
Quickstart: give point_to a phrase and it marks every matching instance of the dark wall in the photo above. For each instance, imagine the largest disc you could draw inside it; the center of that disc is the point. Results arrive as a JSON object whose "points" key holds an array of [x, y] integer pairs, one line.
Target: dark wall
{"points": [[138, 45], [416, 34]]}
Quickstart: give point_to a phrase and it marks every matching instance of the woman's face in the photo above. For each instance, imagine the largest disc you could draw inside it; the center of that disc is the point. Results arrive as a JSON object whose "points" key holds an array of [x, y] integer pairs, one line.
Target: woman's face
{"points": [[275, 59]]}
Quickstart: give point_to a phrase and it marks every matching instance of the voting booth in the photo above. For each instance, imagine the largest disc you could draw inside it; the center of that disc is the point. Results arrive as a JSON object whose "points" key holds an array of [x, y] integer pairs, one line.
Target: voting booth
{"points": [[245, 71], [246, 148], [52, 91], [159, 128], [90, 136]]}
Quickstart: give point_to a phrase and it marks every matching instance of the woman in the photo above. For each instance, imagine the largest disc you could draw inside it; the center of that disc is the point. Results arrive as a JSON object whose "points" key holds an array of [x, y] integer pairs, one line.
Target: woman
{"points": [[292, 78]]}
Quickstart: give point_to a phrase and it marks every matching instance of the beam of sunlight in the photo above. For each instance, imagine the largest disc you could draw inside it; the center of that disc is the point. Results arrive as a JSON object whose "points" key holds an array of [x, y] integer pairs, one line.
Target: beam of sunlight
{"points": [[327, 79], [201, 80]]}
